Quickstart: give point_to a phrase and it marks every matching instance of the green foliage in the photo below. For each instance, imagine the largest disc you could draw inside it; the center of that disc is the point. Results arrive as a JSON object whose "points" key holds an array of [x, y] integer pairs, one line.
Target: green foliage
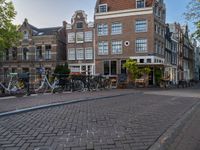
{"points": [[62, 69], [158, 75], [193, 14], [135, 70], [9, 35]]}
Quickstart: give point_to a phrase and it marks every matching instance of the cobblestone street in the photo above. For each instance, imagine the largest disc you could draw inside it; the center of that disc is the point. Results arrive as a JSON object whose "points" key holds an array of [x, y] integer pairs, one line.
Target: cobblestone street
{"points": [[132, 121]]}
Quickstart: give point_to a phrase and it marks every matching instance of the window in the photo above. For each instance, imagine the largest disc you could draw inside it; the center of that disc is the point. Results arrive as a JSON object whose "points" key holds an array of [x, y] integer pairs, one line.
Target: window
{"points": [[88, 36], [48, 52], [103, 48], [38, 52], [141, 45], [79, 54], [140, 3], [79, 37], [71, 37], [117, 47], [102, 29], [7, 54], [26, 35], [88, 53], [110, 67], [79, 25], [106, 68], [25, 54], [103, 8], [141, 60], [14, 53], [71, 54], [116, 28], [141, 26], [113, 67], [75, 68], [123, 69], [148, 60]]}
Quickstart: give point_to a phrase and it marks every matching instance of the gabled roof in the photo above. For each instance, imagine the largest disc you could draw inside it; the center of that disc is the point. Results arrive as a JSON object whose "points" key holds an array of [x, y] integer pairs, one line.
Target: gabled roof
{"points": [[40, 31]]}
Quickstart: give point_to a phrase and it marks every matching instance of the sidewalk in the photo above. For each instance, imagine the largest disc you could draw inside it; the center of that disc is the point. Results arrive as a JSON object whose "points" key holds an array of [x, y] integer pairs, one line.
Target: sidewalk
{"points": [[13, 103], [189, 136]]}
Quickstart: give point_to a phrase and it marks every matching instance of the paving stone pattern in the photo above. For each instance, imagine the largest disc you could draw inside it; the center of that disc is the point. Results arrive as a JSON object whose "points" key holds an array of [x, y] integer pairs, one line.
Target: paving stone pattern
{"points": [[131, 122]]}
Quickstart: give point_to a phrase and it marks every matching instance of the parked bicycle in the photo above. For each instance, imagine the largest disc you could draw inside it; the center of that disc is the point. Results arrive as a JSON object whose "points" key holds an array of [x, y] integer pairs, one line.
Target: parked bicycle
{"points": [[16, 85]]}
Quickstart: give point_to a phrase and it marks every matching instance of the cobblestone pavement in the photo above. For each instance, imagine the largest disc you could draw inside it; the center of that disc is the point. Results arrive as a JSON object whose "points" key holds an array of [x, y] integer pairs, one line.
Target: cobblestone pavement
{"points": [[10, 104], [126, 122]]}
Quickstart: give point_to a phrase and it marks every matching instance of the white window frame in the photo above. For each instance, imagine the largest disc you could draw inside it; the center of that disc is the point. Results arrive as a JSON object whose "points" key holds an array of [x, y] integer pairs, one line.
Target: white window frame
{"points": [[144, 4], [102, 29], [138, 27], [88, 36], [101, 6], [71, 54], [136, 45], [79, 35], [117, 47], [80, 54], [88, 53], [71, 37], [103, 50], [48, 52], [116, 28]]}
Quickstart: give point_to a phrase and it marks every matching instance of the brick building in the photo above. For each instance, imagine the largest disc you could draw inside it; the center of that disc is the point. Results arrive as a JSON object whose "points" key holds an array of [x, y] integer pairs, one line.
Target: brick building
{"points": [[129, 29], [80, 44], [39, 48], [185, 52]]}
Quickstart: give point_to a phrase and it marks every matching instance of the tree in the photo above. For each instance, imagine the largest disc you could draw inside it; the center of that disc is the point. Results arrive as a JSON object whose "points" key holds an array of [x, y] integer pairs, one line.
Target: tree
{"points": [[9, 35], [63, 70], [135, 71], [193, 14]]}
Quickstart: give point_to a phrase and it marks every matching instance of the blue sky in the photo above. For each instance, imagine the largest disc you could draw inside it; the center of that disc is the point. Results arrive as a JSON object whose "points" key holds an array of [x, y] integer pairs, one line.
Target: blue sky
{"points": [[48, 13]]}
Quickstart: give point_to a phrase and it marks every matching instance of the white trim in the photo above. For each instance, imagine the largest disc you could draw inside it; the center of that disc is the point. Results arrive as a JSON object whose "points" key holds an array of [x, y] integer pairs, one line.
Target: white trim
{"points": [[124, 13], [103, 5], [153, 58]]}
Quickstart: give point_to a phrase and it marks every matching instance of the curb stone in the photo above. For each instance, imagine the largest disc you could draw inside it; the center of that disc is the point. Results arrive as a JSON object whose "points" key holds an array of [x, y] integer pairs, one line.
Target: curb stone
{"points": [[163, 142], [59, 104]]}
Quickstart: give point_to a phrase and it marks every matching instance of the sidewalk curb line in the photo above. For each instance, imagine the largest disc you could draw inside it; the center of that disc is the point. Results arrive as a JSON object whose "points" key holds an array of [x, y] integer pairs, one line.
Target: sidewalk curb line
{"points": [[168, 136], [59, 104]]}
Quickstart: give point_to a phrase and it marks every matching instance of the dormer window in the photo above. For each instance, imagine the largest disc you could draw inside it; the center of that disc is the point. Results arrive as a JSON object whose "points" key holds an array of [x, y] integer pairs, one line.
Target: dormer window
{"points": [[79, 25], [103, 8], [26, 35], [140, 3]]}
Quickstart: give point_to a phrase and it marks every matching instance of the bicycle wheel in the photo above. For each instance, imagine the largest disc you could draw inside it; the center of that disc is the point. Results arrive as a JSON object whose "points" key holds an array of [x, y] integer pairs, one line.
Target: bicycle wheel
{"points": [[40, 87], [78, 85]]}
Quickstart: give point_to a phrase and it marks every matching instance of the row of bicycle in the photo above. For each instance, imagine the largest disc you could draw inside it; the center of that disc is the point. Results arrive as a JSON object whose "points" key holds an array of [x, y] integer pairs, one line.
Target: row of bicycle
{"points": [[21, 84]]}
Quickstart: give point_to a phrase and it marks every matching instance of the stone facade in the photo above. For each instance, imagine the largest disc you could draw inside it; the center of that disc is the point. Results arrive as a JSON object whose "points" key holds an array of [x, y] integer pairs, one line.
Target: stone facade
{"points": [[80, 44]]}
